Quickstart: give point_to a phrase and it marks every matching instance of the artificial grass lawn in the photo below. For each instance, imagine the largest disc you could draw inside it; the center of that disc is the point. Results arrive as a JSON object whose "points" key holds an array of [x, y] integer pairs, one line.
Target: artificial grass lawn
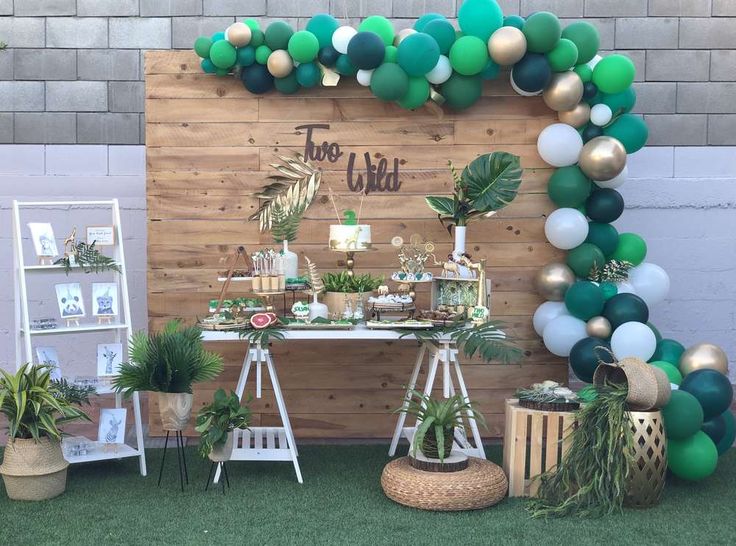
{"points": [[341, 502]]}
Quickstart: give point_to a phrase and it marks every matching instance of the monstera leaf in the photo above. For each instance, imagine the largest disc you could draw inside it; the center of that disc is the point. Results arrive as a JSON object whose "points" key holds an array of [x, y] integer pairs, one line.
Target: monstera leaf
{"points": [[492, 181]]}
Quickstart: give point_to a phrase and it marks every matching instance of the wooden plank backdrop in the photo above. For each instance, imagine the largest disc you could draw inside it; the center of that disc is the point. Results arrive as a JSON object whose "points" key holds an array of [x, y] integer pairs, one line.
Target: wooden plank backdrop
{"points": [[208, 147]]}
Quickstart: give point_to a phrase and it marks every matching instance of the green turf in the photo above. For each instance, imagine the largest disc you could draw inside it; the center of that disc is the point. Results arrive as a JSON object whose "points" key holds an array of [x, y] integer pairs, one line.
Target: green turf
{"points": [[341, 502]]}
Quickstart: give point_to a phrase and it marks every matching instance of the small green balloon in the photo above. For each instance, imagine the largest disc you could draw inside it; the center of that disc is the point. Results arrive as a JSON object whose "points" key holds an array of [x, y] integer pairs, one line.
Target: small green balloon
{"points": [[217, 36], [345, 66], [208, 66], [223, 54], [604, 236], [391, 55], [515, 21], [619, 103], [246, 56], [263, 52], [417, 94], [630, 130], [614, 73], [693, 458], [542, 30], [202, 46], [585, 36], [631, 248], [584, 300], [381, 26], [323, 26], [657, 334], [418, 53], [389, 82], [584, 71], [582, 258], [682, 415], [287, 85], [222, 72], [609, 290], [469, 55], [253, 24], [569, 187], [308, 74], [278, 35], [673, 374], [460, 91], [563, 56], [425, 19], [490, 71], [303, 46], [668, 350], [257, 37], [443, 33]]}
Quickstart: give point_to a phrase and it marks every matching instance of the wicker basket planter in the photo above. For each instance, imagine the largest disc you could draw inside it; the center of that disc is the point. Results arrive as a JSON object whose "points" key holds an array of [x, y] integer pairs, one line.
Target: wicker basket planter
{"points": [[175, 409], [34, 471], [429, 446]]}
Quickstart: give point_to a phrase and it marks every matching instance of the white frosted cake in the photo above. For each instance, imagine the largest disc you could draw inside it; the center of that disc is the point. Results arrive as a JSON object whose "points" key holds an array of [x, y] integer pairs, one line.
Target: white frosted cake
{"points": [[350, 238]]}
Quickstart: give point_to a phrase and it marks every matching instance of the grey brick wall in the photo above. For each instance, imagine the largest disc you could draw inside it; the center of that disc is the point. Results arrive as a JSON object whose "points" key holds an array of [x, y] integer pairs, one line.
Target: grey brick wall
{"points": [[72, 70]]}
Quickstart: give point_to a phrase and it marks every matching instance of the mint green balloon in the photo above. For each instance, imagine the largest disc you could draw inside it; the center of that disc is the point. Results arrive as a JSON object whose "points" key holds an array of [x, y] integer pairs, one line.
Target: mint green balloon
{"points": [[630, 130], [253, 24], [614, 73], [469, 55], [443, 33], [379, 25], [563, 56], [323, 26], [263, 52], [417, 94], [542, 30], [425, 19], [303, 46], [480, 18], [202, 46], [223, 54]]}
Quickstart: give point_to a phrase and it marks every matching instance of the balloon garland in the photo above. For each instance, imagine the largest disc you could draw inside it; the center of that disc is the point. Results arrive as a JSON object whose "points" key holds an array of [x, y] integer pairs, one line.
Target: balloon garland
{"points": [[601, 295]]}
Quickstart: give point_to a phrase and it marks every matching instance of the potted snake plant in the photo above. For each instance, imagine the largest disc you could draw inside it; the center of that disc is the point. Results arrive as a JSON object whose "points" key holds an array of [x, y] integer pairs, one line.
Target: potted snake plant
{"points": [[217, 421]]}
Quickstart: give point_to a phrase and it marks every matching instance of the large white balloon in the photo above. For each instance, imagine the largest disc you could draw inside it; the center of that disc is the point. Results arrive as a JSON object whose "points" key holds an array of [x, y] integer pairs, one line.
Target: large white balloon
{"points": [[364, 77], [341, 37], [633, 339], [566, 228], [441, 71], [560, 144], [616, 181], [651, 282], [625, 287], [600, 114], [545, 313], [562, 332]]}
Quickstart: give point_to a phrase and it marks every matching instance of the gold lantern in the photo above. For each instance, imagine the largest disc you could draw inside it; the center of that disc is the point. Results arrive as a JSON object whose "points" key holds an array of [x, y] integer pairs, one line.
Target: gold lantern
{"points": [[649, 467]]}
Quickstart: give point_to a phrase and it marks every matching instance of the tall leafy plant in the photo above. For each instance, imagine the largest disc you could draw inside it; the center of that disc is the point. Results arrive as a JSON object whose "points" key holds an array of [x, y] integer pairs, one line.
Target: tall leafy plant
{"points": [[487, 184]]}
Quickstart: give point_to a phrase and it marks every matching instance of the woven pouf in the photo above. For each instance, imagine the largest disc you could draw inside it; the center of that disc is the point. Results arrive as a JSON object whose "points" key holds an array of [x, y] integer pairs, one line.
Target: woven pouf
{"points": [[480, 485]]}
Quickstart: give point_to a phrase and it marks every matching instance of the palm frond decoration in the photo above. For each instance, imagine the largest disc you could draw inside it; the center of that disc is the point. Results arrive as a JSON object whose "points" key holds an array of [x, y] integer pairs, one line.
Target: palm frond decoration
{"points": [[612, 271], [315, 280], [284, 226], [88, 258], [262, 337]]}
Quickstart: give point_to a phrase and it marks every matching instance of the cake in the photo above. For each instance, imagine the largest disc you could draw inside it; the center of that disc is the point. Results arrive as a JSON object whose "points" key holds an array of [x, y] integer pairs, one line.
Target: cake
{"points": [[348, 238]]}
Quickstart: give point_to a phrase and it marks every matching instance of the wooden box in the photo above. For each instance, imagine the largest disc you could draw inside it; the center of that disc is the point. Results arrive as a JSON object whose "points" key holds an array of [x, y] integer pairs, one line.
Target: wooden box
{"points": [[534, 442]]}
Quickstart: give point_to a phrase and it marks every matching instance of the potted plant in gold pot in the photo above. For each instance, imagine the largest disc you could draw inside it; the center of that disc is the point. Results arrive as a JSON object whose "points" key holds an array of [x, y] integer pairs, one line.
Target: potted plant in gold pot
{"points": [[168, 363]]}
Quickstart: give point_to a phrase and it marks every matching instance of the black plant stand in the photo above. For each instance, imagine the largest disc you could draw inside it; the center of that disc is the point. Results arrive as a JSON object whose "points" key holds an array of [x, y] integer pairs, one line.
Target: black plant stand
{"points": [[213, 466], [180, 458]]}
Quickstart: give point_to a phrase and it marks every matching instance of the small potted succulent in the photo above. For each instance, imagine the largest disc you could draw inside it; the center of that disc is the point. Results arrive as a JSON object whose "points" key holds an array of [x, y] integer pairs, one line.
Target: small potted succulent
{"points": [[168, 362], [548, 396], [216, 422], [342, 287]]}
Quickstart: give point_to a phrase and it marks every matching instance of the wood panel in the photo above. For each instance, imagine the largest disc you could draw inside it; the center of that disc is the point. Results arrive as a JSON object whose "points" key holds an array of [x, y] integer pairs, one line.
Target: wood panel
{"points": [[210, 144]]}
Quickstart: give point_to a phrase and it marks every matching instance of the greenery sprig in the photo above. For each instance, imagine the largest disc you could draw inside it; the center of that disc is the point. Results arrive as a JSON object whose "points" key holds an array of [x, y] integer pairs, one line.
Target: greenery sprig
{"points": [[262, 337], [217, 419], [612, 271], [89, 258], [342, 282]]}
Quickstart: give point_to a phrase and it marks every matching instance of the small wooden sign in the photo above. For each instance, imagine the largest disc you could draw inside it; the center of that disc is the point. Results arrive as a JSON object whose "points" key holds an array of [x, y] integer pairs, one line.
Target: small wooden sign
{"points": [[101, 235]]}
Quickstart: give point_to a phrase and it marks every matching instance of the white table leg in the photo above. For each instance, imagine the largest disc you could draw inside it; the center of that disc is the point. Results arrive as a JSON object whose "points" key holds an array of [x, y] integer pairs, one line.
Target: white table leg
{"points": [[259, 361], [244, 371], [138, 431], [446, 381], [407, 397], [471, 421]]}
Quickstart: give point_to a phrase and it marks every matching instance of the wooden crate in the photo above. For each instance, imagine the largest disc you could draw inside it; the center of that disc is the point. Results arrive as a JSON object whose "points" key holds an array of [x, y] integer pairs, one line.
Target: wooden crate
{"points": [[534, 442]]}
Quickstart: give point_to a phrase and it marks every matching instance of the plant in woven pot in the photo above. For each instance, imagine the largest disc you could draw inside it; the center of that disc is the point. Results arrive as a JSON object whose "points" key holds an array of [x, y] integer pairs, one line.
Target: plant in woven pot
{"points": [[437, 421], [216, 422], [168, 363], [35, 406]]}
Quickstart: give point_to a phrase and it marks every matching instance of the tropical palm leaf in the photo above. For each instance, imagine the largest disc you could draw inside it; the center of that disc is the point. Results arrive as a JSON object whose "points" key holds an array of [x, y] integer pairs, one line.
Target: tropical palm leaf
{"points": [[492, 180]]}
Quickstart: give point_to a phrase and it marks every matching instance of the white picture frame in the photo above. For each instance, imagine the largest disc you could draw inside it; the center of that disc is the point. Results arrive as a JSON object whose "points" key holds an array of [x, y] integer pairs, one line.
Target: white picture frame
{"points": [[50, 357], [101, 235], [105, 299], [44, 242], [109, 359], [69, 298], [111, 429]]}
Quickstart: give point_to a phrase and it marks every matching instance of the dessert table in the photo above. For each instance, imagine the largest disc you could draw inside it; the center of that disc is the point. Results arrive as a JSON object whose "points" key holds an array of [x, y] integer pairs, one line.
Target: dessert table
{"points": [[278, 444]]}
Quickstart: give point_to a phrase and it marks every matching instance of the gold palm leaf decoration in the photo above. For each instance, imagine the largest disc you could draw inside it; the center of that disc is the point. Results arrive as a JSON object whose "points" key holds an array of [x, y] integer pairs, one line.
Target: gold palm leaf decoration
{"points": [[290, 191], [315, 280]]}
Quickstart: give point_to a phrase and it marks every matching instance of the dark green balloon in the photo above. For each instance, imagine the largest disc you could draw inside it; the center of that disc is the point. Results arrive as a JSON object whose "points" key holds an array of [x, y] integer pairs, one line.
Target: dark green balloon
{"points": [[323, 26], [256, 78], [287, 85], [366, 50], [584, 300], [589, 90], [682, 416], [417, 94], [278, 34], [345, 67], [542, 30], [625, 307], [257, 37], [532, 73], [585, 73], [668, 350], [202, 46], [609, 290], [582, 258], [569, 187], [712, 389], [389, 82], [308, 74], [246, 55], [604, 236], [585, 356], [630, 130], [620, 103], [729, 435], [604, 205], [328, 55], [392, 54], [515, 21], [443, 33], [418, 53], [208, 66], [715, 428], [460, 91], [491, 71], [585, 36], [591, 131], [657, 334]]}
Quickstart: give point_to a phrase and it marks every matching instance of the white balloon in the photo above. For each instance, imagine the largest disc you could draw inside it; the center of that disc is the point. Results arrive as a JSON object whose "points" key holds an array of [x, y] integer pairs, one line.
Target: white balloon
{"points": [[566, 228], [341, 37], [616, 181], [441, 71], [594, 61], [600, 114], [520, 91], [562, 333], [651, 282], [625, 287], [560, 144], [545, 313], [633, 339], [364, 77]]}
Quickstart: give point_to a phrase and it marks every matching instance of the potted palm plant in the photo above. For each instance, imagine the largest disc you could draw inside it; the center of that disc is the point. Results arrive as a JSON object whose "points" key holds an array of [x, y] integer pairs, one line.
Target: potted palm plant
{"points": [[437, 421], [168, 362], [33, 466], [486, 185], [216, 422]]}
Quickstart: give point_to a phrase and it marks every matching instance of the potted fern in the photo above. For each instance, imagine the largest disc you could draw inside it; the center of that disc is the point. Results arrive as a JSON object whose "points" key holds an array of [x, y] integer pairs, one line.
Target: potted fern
{"points": [[168, 362], [33, 465], [216, 422], [486, 185], [342, 287]]}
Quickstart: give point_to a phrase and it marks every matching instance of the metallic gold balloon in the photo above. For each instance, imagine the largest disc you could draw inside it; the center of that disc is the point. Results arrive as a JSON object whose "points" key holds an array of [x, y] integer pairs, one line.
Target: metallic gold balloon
{"points": [[280, 64], [577, 117], [598, 327], [704, 356], [403, 33], [238, 34], [553, 280], [507, 46], [564, 91], [602, 158]]}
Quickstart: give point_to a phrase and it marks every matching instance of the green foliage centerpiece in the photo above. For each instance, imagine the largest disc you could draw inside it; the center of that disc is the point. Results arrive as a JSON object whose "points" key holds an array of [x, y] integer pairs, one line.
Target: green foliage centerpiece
{"points": [[216, 421]]}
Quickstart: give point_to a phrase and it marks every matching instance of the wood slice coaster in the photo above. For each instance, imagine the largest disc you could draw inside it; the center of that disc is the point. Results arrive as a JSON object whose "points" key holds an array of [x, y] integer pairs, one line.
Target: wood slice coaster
{"points": [[549, 406], [456, 461]]}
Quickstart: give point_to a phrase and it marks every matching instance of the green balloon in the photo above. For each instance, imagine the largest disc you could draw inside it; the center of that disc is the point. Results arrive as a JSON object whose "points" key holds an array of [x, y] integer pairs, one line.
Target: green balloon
{"points": [[542, 30], [308, 74], [614, 73], [246, 55], [585, 356], [253, 24], [480, 18], [490, 71], [569, 187], [673, 374], [443, 33], [516, 21], [630, 130], [257, 37], [657, 334], [417, 94], [469, 55], [323, 26], [391, 55], [585, 37], [202, 46], [604, 236], [460, 91], [208, 66], [425, 19], [712, 389], [682, 415], [278, 35], [609, 290], [584, 300], [418, 54], [303, 46], [222, 72], [381, 26], [668, 350], [631, 248], [223, 54], [563, 56], [389, 82], [584, 71], [582, 258], [619, 103], [263, 52], [287, 85], [693, 458], [345, 66], [729, 436], [625, 307]]}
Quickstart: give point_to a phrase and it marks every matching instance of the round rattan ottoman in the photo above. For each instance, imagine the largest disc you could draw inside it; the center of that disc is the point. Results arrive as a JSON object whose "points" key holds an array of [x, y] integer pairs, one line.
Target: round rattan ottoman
{"points": [[480, 485]]}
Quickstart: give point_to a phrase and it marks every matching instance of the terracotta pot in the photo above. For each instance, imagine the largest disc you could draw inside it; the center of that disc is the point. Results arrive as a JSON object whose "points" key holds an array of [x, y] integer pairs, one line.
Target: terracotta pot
{"points": [[335, 302], [34, 471], [222, 453], [175, 409]]}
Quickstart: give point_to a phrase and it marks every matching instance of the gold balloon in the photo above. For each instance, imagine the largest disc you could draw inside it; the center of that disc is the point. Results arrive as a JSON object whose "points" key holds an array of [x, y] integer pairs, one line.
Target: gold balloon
{"points": [[553, 280], [280, 64], [564, 91], [704, 356], [602, 158], [577, 117], [507, 46], [598, 327], [238, 34], [403, 33]]}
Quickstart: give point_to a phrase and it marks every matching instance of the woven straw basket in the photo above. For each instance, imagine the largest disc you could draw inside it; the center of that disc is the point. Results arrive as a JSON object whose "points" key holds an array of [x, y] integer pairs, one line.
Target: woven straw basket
{"points": [[649, 387], [33, 470]]}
